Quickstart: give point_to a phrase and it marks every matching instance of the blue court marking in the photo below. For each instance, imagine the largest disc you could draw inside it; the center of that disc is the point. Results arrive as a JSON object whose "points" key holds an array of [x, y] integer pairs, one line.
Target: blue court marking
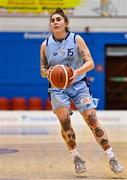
{"points": [[23, 131], [7, 151]]}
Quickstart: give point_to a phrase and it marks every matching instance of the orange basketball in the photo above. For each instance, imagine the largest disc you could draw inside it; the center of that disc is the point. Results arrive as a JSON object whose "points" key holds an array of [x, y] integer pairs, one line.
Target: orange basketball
{"points": [[60, 76]]}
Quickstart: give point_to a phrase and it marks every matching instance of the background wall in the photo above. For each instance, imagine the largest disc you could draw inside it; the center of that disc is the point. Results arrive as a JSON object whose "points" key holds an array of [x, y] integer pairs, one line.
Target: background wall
{"points": [[99, 15], [39, 24]]}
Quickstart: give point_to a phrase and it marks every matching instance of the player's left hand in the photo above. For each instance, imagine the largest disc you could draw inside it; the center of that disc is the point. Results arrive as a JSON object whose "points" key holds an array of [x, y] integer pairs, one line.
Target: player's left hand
{"points": [[73, 77]]}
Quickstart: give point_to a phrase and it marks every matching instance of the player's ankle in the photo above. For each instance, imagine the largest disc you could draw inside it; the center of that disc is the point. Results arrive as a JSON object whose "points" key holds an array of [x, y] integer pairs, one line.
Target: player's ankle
{"points": [[74, 152], [109, 153]]}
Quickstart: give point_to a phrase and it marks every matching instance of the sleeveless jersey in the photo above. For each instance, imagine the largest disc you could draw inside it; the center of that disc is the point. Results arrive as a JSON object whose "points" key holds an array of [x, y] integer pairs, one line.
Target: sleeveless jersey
{"points": [[65, 52]]}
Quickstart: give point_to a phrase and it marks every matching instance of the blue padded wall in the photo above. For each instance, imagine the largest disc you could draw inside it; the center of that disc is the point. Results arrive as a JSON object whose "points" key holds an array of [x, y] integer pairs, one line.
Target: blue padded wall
{"points": [[20, 63]]}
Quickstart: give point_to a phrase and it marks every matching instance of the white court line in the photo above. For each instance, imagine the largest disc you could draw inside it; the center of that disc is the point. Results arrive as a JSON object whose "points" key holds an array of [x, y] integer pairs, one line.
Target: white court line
{"points": [[49, 118]]}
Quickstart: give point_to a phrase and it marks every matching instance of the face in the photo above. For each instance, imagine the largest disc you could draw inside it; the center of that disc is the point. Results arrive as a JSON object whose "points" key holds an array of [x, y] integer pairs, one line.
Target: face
{"points": [[57, 23], [104, 1]]}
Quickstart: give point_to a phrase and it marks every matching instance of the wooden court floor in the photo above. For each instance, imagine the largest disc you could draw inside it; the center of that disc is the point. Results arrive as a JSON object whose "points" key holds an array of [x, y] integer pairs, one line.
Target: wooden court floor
{"points": [[36, 156]]}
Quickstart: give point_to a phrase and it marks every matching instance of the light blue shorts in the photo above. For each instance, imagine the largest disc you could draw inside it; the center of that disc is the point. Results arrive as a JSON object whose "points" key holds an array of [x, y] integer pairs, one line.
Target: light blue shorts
{"points": [[78, 92]]}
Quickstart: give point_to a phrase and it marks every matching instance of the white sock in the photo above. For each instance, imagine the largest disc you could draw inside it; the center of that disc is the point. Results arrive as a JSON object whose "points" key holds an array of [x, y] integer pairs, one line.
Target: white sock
{"points": [[109, 153], [74, 152]]}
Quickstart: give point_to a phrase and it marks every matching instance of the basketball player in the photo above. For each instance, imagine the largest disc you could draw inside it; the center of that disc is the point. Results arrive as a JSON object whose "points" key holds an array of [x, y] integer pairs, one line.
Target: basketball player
{"points": [[64, 47]]}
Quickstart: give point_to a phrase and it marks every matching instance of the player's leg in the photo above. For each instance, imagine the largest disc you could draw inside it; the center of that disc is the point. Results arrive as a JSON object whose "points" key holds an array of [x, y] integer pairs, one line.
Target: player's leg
{"points": [[66, 128], [99, 133], [69, 137], [101, 137], [61, 106], [86, 105]]}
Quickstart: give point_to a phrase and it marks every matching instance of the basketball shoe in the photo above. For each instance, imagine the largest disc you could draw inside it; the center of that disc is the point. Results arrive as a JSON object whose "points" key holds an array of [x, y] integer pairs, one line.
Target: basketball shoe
{"points": [[79, 165], [115, 166]]}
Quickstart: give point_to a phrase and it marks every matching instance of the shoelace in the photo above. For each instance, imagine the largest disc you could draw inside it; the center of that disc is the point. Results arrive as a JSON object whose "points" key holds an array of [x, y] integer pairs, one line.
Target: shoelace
{"points": [[113, 161], [78, 161]]}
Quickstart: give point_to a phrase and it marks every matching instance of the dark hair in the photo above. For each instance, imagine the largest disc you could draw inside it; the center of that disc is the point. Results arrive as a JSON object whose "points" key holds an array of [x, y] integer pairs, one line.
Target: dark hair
{"points": [[61, 13]]}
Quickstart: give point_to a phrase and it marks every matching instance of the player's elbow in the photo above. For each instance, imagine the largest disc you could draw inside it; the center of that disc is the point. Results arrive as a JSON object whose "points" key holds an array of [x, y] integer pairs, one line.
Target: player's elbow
{"points": [[44, 75], [92, 65]]}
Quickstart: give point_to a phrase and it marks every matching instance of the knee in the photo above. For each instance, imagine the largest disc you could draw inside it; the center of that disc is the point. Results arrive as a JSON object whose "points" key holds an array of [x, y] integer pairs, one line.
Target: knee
{"points": [[92, 119], [64, 119], [94, 125]]}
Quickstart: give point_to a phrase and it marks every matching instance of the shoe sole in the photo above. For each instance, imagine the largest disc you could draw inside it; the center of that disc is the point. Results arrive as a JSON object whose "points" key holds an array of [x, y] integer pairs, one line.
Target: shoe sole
{"points": [[80, 172], [117, 172]]}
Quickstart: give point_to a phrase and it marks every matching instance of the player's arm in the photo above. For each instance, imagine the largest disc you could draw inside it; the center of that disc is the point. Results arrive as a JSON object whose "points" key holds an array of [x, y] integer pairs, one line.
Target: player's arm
{"points": [[43, 61], [86, 56]]}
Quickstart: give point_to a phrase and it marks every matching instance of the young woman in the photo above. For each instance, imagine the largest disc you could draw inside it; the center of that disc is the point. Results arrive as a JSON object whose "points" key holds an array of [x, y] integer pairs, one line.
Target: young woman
{"points": [[64, 47]]}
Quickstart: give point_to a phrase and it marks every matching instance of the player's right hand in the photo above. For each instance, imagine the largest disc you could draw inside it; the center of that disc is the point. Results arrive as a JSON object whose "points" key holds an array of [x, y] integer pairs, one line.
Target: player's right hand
{"points": [[73, 77], [48, 72]]}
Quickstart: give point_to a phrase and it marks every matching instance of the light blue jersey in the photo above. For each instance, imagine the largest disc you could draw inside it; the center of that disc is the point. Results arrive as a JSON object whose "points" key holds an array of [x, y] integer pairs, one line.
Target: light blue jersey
{"points": [[65, 52]]}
